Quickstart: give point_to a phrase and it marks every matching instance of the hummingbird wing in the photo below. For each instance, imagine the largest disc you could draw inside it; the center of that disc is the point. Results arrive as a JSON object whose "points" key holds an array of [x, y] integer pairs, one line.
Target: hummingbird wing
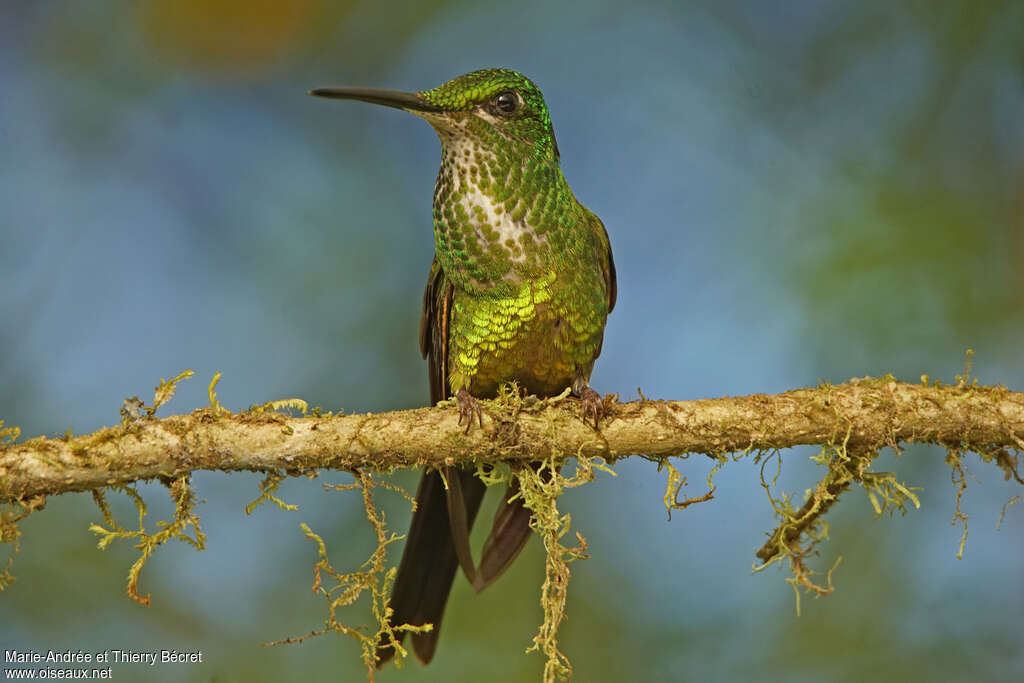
{"points": [[463, 491], [432, 552], [437, 302], [607, 265]]}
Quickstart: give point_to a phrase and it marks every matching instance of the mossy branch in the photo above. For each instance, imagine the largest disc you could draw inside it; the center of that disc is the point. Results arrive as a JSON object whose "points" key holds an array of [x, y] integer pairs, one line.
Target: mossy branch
{"points": [[851, 422], [865, 414]]}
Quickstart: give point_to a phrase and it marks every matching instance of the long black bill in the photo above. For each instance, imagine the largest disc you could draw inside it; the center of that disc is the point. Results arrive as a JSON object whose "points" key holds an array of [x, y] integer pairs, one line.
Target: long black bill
{"points": [[389, 98]]}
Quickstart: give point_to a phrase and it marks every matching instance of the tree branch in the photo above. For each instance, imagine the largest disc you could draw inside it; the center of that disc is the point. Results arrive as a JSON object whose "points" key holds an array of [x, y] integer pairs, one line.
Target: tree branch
{"points": [[867, 414], [851, 421]]}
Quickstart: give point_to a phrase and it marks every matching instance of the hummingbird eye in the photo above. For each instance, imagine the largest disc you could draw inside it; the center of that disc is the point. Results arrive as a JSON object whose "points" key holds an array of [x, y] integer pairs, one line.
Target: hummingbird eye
{"points": [[506, 103]]}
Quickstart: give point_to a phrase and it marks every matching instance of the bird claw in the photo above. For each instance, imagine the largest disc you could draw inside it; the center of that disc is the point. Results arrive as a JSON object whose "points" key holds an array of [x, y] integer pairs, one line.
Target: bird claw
{"points": [[593, 406], [468, 407]]}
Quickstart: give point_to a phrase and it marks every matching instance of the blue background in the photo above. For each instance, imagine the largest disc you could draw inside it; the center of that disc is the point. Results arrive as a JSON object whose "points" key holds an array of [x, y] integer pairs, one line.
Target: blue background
{"points": [[795, 193]]}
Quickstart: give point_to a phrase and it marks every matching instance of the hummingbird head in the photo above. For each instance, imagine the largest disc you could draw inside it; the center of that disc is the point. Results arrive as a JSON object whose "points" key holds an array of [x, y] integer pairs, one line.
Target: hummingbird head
{"points": [[487, 106]]}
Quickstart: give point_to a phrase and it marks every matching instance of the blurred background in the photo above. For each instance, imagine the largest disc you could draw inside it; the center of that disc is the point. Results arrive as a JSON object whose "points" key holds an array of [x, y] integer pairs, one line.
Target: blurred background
{"points": [[795, 193]]}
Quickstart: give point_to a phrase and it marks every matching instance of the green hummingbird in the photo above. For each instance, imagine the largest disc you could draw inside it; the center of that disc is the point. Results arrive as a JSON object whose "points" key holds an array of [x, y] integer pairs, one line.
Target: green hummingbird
{"points": [[520, 288]]}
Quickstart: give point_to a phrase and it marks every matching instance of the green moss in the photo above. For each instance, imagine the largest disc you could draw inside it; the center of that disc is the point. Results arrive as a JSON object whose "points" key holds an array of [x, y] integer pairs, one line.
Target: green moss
{"points": [[11, 514], [8, 435], [215, 407], [164, 391], [341, 589], [676, 481], [267, 488], [184, 516]]}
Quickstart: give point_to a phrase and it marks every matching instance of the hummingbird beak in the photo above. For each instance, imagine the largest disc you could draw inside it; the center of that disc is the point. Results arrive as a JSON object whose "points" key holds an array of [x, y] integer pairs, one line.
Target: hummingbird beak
{"points": [[408, 101]]}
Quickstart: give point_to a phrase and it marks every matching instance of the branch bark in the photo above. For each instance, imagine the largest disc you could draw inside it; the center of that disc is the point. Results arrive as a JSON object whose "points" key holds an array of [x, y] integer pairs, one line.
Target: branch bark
{"points": [[866, 413]]}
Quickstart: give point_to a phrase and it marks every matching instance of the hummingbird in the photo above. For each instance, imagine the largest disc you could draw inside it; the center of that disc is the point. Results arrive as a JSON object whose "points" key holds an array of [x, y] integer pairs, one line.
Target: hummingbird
{"points": [[520, 287]]}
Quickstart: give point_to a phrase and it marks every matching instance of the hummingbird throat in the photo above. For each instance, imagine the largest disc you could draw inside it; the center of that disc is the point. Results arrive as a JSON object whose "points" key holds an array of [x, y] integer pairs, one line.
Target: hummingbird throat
{"points": [[490, 225]]}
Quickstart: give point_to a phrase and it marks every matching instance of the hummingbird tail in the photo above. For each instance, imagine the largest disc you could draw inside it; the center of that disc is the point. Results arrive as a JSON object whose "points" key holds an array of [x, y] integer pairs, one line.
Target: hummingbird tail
{"points": [[429, 561], [509, 534]]}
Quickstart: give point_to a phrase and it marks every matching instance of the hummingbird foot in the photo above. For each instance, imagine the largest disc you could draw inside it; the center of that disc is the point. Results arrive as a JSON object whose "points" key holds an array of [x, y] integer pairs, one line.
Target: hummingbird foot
{"points": [[593, 406], [468, 407]]}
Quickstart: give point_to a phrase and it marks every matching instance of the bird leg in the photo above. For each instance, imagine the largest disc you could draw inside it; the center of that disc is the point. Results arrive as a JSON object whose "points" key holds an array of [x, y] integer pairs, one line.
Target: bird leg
{"points": [[468, 407], [593, 406]]}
